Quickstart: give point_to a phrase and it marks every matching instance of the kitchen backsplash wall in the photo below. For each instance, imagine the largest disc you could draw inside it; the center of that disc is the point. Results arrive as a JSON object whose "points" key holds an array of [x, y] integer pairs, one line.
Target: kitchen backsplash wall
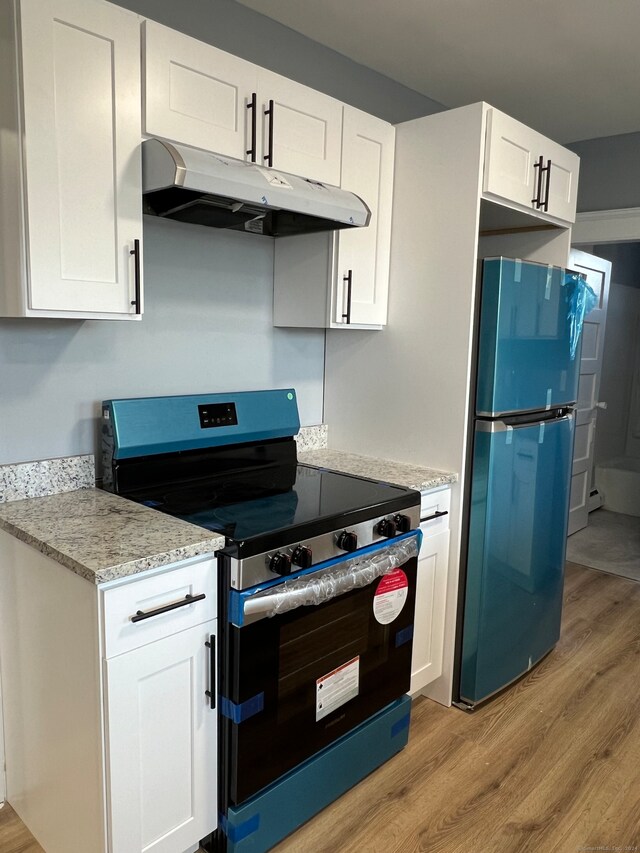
{"points": [[207, 327]]}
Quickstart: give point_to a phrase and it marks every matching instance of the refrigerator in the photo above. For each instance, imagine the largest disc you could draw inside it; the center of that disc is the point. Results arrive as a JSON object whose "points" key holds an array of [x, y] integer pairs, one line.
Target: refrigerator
{"points": [[528, 362]]}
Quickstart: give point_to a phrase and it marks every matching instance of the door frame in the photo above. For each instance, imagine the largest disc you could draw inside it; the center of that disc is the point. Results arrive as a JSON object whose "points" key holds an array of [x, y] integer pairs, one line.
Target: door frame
{"points": [[607, 226]]}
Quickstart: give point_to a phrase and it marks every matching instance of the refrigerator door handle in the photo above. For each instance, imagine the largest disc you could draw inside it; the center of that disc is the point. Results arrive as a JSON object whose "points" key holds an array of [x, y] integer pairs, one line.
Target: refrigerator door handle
{"points": [[501, 426]]}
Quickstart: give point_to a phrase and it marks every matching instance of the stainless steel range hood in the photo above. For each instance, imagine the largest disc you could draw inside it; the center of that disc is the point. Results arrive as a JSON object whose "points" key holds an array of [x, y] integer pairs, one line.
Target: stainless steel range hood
{"points": [[208, 189]]}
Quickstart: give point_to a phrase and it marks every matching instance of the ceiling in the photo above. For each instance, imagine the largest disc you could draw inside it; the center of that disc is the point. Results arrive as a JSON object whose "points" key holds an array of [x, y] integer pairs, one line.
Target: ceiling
{"points": [[568, 68]]}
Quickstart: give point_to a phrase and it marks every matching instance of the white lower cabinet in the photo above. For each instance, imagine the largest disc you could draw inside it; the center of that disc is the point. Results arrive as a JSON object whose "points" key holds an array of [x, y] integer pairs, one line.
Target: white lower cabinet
{"points": [[162, 736], [110, 737], [433, 561]]}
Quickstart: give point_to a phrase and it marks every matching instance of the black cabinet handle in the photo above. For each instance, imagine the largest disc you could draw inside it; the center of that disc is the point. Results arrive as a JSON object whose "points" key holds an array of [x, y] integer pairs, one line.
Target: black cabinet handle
{"points": [[348, 279], [269, 155], [436, 514], [547, 169], [136, 267], [211, 645], [188, 599], [539, 166], [253, 106]]}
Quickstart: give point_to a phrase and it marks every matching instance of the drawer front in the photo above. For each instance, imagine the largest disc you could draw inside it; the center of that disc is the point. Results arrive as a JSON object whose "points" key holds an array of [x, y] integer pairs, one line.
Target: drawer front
{"points": [[431, 505], [120, 604]]}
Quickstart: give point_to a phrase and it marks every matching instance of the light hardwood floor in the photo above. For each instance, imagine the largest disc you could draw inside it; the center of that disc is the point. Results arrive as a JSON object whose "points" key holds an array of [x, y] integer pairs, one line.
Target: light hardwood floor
{"points": [[552, 765]]}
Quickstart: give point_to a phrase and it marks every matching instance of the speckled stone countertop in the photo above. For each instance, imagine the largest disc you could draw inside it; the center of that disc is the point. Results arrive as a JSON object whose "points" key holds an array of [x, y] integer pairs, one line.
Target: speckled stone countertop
{"points": [[101, 536], [400, 473]]}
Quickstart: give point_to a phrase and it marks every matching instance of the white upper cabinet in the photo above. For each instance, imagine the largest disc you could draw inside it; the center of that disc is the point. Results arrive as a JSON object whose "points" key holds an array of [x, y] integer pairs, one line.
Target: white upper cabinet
{"points": [[305, 127], [79, 167], [195, 93], [362, 269], [199, 95], [340, 280], [524, 167]]}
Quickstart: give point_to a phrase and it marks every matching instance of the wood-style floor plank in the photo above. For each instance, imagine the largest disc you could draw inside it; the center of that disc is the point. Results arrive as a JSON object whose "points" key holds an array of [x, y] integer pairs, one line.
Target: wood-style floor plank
{"points": [[551, 765]]}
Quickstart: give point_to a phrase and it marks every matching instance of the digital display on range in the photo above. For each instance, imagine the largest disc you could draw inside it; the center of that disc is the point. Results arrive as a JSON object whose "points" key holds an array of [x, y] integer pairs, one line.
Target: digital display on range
{"points": [[217, 415]]}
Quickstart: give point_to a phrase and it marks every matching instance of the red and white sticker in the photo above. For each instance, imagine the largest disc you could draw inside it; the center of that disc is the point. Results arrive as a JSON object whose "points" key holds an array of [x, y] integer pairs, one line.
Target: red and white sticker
{"points": [[390, 596], [337, 687]]}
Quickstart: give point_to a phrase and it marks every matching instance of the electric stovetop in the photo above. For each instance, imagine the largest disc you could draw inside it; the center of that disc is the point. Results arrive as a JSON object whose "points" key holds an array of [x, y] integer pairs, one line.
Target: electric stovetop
{"points": [[279, 504]]}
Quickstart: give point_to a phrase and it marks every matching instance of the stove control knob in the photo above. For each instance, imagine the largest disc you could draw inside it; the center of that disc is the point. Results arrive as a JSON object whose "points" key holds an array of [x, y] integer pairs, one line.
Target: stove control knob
{"points": [[302, 557], [403, 523], [347, 541], [280, 563], [386, 527]]}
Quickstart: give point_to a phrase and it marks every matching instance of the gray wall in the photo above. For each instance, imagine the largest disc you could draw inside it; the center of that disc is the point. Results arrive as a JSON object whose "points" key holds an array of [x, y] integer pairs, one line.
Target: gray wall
{"points": [[609, 172], [206, 328], [208, 317]]}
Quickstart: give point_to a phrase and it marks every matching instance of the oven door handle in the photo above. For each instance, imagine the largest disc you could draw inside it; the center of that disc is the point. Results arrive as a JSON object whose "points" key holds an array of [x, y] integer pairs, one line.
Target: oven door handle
{"points": [[317, 587]]}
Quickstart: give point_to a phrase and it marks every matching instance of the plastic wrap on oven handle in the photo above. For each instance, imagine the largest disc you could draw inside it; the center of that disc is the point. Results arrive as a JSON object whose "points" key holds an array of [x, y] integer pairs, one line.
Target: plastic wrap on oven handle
{"points": [[352, 574]]}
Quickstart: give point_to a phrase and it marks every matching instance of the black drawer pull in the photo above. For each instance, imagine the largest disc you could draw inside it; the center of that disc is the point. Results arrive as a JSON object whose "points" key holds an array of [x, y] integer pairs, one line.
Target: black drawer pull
{"points": [[188, 599], [137, 278], [436, 514], [539, 165], [253, 106], [348, 280], [269, 156], [211, 645]]}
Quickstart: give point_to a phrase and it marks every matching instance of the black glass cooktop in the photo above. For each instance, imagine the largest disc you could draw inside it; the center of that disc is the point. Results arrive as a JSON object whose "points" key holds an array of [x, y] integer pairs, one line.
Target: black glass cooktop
{"points": [[280, 505]]}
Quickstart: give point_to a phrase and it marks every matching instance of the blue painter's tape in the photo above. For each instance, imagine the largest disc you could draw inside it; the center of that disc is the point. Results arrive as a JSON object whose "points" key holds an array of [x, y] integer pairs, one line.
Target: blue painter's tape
{"points": [[242, 830], [236, 608], [404, 636], [400, 725], [238, 713]]}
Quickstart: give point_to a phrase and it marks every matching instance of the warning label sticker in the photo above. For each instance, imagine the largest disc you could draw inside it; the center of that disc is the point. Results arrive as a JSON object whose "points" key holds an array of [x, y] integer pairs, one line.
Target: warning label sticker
{"points": [[337, 687], [390, 596]]}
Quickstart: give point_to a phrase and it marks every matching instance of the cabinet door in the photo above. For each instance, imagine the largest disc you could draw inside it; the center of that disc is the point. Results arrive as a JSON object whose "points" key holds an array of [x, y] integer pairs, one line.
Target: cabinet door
{"points": [[306, 127], [196, 94], [428, 635], [81, 105], [363, 253], [162, 744], [510, 173]]}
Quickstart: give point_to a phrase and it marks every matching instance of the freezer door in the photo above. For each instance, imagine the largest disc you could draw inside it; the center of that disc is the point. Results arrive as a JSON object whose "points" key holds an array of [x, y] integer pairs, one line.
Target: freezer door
{"points": [[517, 541], [524, 353]]}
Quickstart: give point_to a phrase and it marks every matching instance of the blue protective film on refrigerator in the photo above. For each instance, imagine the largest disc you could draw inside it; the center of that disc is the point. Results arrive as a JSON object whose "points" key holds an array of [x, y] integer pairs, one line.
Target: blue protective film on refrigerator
{"points": [[582, 301], [529, 333], [516, 554]]}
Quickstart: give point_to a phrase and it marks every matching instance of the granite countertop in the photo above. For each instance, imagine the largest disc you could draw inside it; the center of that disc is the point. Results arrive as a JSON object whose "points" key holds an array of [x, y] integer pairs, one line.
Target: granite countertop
{"points": [[400, 473], [101, 536]]}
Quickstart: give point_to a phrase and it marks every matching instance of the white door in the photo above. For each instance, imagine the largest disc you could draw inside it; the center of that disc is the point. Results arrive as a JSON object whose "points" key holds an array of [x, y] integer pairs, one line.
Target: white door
{"points": [[197, 94], [162, 744], [81, 81], [598, 275], [431, 594], [305, 126], [368, 145], [511, 171]]}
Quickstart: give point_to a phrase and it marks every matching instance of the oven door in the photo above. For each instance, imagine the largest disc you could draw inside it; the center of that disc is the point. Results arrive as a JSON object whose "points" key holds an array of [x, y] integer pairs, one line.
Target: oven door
{"points": [[296, 680]]}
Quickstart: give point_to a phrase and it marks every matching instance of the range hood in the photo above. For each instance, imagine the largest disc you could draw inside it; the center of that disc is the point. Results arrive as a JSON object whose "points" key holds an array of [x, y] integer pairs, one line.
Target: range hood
{"points": [[208, 189]]}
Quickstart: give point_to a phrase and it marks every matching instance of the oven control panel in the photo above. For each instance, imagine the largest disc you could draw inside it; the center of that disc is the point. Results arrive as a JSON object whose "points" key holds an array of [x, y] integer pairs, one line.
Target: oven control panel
{"points": [[217, 415], [293, 558]]}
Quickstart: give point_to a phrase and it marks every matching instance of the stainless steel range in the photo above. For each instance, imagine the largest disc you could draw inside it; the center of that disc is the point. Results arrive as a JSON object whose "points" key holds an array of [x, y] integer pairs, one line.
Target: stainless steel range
{"points": [[317, 587]]}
